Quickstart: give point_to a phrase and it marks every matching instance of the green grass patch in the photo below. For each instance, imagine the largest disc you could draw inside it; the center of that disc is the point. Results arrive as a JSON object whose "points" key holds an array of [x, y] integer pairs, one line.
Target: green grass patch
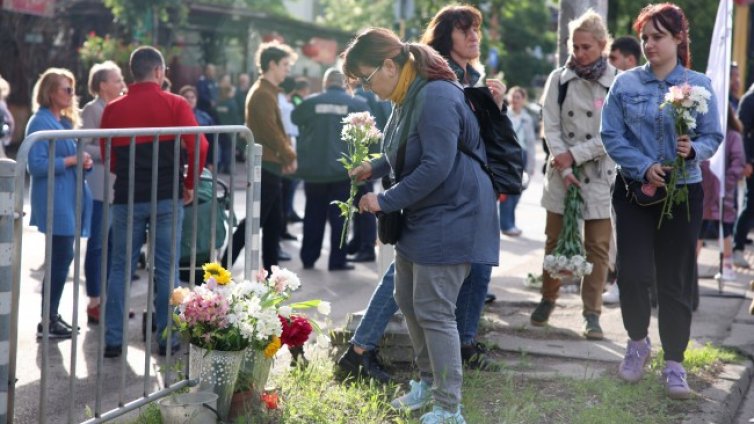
{"points": [[313, 395], [700, 359]]}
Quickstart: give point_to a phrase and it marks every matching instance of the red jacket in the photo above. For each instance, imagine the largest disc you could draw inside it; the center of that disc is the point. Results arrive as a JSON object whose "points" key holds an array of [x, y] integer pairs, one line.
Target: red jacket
{"points": [[146, 105]]}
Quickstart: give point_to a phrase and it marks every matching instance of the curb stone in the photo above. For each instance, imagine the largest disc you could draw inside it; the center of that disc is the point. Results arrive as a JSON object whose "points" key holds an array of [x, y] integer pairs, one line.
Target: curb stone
{"points": [[723, 398]]}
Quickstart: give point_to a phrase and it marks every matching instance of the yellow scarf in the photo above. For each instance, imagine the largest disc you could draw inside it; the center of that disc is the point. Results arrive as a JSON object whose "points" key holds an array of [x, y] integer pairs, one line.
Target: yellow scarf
{"points": [[408, 74]]}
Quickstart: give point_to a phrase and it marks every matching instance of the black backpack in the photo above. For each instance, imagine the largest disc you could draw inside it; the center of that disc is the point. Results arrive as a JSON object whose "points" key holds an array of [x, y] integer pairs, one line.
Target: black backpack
{"points": [[504, 162]]}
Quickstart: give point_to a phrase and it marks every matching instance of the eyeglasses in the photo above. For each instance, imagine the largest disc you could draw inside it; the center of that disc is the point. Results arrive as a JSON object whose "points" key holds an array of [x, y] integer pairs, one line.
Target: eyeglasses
{"points": [[367, 82], [67, 90]]}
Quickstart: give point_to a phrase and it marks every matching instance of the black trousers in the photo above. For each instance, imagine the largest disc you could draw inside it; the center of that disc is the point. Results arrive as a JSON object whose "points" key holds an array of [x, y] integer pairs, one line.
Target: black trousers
{"points": [[364, 226], [319, 211], [667, 256], [745, 218], [270, 220]]}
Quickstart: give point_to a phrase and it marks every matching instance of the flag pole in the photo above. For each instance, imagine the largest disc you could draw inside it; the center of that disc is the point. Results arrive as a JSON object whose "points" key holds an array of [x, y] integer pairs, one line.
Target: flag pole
{"points": [[724, 124]]}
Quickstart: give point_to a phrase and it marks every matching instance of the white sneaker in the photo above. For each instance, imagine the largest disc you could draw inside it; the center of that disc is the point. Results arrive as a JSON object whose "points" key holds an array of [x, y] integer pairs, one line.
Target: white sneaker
{"points": [[739, 260], [612, 295], [728, 273]]}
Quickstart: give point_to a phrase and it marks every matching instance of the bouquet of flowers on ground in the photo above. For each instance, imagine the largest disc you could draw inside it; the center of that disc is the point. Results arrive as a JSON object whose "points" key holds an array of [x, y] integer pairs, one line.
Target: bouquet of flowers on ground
{"points": [[222, 314], [568, 259], [226, 315], [359, 132], [686, 101]]}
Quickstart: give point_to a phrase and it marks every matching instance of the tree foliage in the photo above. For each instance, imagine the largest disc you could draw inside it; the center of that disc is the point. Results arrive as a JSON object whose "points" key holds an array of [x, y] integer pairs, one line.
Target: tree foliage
{"points": [[354, 15], [139, 15]]}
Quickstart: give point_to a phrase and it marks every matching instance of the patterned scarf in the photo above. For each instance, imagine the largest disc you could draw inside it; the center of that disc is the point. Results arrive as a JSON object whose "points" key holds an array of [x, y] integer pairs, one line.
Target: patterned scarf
{"points": [[408, 74], [591, 72]]}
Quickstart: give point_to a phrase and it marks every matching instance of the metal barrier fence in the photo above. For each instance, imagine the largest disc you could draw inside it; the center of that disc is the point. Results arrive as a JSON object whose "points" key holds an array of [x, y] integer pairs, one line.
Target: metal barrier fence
{"points": [[12, 189]]}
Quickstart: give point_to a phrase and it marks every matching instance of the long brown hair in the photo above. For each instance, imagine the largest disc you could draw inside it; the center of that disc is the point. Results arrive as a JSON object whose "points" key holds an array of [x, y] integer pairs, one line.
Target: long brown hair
{"points": [[668, 17], [373, 45], [439, 32], [47, 83]]}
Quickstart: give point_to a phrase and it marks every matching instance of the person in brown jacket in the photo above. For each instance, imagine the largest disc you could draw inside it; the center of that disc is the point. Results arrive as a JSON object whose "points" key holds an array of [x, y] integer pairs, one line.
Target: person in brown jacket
{"points": [[278, 157]]}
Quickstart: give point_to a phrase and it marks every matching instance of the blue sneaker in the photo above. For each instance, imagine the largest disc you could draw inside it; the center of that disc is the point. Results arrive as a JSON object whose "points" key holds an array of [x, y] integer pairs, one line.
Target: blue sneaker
{"points": [[418, 397], [441, 416]]}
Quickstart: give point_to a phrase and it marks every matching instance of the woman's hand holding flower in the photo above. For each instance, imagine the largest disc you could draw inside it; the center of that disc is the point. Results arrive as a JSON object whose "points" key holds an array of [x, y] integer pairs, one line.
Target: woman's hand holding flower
{"points": [[562, 161], [570, 180], [683, 146], [361, 172], [369, 203]]}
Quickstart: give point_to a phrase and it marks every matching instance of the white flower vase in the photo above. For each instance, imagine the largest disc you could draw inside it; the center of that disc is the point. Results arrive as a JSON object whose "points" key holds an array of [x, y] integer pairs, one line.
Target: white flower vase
{"points": [[217, 372]]}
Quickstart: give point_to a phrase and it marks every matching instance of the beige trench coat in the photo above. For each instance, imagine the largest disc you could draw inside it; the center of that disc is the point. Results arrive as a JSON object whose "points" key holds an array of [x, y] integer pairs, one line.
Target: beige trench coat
{"points": [[575, 127]]}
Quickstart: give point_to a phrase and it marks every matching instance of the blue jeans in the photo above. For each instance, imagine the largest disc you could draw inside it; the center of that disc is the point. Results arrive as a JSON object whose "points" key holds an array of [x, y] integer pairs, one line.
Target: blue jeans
{"points": [[94, 252], [118, 279], [508, 212], [60, 263], [471, 302], [382, 306]]}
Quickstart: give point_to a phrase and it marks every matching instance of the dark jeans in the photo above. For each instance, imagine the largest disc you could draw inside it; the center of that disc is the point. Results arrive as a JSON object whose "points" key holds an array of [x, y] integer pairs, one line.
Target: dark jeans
{"points": [[745, 218], [270, 220], [60, 263], [667, 256], [289, 190], [319, 211], [382, 306], [364, 225], [94, 252]]}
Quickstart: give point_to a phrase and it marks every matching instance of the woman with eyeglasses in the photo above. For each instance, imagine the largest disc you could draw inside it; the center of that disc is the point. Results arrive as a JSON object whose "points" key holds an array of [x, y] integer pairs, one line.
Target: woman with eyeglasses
{"points": [[55, 108], [448, 204]]}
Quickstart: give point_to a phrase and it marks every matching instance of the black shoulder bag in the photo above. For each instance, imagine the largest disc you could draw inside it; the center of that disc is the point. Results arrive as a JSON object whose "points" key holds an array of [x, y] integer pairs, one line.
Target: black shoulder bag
{"points": [[389, 225]]}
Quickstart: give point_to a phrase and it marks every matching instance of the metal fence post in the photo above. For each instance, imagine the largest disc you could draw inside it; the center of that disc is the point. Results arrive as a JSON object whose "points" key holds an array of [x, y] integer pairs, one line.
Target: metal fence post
{"points": [[7, 190]]}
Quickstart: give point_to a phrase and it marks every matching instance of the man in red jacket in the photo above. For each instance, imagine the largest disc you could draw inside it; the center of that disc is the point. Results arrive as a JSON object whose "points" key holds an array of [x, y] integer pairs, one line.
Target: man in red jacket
{"points": [[146, 105]]}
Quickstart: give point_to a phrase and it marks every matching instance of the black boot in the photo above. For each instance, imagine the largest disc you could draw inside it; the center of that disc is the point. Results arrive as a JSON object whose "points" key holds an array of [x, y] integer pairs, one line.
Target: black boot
{"points": [[366, 365], [474, 357]]}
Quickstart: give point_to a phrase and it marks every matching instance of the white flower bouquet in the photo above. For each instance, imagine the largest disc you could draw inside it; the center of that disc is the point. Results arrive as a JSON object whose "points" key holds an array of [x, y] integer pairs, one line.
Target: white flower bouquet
{"points": [[686, 101], [569, 259]]}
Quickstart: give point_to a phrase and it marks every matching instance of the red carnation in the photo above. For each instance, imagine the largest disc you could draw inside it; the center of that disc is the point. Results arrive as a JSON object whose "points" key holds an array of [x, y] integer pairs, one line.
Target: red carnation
{"points": [[296, 330]]}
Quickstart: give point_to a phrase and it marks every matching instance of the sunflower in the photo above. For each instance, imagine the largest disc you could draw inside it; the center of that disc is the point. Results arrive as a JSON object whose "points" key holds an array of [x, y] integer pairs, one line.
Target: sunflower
{"points": [[273, 347], [214, 270]]}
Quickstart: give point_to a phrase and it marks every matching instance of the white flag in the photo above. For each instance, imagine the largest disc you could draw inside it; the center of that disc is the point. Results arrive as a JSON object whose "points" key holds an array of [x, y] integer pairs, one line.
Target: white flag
{"points": [[718, 70]]}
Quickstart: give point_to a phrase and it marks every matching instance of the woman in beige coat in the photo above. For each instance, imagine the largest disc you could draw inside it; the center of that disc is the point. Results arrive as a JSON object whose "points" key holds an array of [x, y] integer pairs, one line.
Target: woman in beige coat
{"points": [[571, 116]]}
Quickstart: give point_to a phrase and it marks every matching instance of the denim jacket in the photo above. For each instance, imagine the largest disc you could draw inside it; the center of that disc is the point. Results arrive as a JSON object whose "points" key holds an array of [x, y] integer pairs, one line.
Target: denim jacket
{"points": [[636, 133]]}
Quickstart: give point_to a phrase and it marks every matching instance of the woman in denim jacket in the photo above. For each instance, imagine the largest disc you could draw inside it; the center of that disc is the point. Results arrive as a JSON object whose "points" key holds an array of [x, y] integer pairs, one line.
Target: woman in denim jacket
{"points": [[640, 137]]}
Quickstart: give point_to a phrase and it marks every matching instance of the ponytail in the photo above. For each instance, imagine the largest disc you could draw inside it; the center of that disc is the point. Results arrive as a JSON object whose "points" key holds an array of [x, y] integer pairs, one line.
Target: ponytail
{"points": [[429, 64]]}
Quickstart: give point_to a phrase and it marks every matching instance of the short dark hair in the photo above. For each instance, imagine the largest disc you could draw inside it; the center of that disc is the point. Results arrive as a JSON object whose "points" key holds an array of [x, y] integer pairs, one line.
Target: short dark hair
{"points": [[627, 45], [143, 61], [273, 51]]}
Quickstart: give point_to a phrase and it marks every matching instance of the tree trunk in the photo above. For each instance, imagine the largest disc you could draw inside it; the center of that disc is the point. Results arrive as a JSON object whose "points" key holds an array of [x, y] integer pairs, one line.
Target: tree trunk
{"points": [[569, 10]]}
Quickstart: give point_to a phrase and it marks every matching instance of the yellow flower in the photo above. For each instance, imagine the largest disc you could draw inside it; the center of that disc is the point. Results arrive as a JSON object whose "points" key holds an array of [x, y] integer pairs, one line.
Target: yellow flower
{"points": [[180, 293], [214, 270], [273, 347]]}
